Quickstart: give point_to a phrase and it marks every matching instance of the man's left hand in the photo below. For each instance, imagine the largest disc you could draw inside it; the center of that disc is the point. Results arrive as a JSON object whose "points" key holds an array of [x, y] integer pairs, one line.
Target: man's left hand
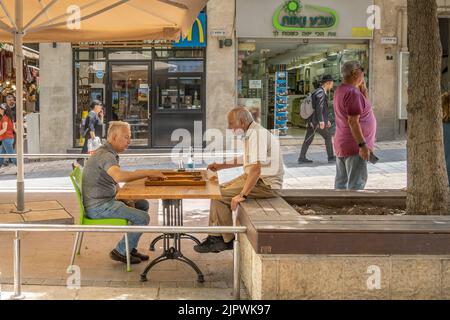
{"points": [[235, 202], [329, 124]]}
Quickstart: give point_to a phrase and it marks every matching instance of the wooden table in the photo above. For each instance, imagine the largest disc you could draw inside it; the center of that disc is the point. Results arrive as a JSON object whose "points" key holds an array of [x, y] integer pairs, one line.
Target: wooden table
{"points": [[172, 200]]}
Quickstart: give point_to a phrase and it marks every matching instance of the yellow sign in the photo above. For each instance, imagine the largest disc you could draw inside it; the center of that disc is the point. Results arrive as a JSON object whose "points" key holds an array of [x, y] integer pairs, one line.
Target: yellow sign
{"points": [[362, 32], [196, 37]]}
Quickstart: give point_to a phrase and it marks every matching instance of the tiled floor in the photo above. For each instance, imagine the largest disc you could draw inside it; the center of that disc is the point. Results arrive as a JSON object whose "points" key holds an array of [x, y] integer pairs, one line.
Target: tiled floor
{"points": [[46, 256]]}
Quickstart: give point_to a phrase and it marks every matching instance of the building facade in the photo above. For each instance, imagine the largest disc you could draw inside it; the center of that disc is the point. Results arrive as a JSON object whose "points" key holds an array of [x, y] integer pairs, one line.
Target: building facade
{"points": [[246, 42]]}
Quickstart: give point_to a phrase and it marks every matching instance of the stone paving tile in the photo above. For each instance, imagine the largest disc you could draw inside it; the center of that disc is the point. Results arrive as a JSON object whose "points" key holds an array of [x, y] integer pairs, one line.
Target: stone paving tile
{"points": [[168, 284], [185, 284]]}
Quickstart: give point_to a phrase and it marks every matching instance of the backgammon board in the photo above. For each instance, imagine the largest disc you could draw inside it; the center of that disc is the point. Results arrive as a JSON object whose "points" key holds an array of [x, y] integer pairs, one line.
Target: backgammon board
{"points": [[184, 178]]}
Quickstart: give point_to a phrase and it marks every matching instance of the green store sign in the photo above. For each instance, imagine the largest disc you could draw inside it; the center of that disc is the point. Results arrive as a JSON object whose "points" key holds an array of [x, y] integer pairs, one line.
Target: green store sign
{"points": [[289, 17]]}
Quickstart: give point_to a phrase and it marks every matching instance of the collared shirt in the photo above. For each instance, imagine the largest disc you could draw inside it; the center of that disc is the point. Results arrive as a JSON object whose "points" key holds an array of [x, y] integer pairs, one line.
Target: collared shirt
{"points": [[94, 124], [261, 146], [98, 186], [349, 101]]}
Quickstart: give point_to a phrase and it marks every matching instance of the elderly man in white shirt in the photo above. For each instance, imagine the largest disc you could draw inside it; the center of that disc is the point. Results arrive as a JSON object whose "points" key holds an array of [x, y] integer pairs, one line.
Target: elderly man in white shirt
{"points": [[263, 176]]}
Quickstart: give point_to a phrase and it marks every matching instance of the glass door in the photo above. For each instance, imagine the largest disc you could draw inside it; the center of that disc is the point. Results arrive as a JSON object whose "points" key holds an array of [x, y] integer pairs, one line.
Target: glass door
{"points": [[130, 99]]}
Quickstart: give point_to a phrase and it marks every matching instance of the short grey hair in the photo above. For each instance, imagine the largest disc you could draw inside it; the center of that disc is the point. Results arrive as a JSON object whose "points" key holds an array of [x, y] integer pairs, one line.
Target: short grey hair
{"points": [[242, 113], [116, 126], [348, 68]]}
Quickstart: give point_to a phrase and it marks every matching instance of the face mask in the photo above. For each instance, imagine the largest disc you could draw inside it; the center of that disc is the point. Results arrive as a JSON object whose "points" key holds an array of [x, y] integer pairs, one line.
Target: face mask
{"points": [[238, 132]]}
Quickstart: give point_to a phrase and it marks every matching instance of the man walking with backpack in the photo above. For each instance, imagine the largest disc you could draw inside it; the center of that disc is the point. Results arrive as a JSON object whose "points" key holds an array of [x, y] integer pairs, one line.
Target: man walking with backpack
{"points": [[318, 121]]}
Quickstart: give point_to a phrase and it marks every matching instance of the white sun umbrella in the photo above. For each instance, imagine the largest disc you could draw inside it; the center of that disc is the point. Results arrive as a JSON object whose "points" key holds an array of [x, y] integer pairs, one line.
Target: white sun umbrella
{"points": [[86, 20]]}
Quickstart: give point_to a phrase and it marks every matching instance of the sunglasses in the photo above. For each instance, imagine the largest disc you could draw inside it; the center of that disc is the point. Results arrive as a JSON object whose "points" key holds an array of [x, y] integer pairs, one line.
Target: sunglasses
{"points": [[360, 68]]}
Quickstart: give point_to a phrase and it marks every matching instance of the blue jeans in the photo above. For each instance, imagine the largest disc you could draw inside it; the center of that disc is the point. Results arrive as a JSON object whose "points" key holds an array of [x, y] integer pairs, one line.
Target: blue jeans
{"points": [[137, 216], [351, 173], [7, 147]]}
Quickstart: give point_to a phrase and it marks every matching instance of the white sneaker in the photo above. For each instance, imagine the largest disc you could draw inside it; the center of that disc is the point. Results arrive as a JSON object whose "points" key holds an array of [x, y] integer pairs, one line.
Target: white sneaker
{"points": [[3, 169]]}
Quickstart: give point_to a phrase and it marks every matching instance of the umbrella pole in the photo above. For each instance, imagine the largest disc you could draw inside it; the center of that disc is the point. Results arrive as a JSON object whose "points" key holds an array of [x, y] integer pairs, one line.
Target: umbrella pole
{"points": [[18, 42]]}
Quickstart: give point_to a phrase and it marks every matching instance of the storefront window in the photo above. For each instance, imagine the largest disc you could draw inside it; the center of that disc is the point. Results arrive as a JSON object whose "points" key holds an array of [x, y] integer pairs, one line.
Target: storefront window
{"points": [[305, 65], [130, 55], [172, 66], [90, 86], [190, 90], [164, 54], [144, 93], [89, 55], [167, 93]]}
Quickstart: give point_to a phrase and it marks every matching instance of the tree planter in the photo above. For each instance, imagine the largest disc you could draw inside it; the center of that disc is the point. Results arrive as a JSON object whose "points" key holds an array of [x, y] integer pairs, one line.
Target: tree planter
{"points": [[289, 256]]}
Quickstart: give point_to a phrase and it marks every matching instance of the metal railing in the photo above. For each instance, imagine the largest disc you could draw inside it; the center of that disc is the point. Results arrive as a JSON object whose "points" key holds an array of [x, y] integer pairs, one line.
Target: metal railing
{"points": [[166, 155], [17, 228]]}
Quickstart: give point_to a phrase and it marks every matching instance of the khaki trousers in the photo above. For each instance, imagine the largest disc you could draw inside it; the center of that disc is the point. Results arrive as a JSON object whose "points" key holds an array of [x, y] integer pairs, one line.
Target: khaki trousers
{"points": [[220, 210]]}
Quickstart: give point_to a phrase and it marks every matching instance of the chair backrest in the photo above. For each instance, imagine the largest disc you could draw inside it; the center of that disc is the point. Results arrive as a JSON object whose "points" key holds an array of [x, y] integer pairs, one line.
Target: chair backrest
{"points": [[77, 177]]}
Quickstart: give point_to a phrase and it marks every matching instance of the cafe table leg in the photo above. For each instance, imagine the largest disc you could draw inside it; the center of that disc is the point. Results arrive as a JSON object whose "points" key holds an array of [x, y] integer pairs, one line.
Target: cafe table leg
{"points": [[172, 216]]}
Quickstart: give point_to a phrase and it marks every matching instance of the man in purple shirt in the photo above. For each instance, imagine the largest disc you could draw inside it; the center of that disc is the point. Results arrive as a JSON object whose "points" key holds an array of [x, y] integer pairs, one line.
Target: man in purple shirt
{"points": [[355, 129]]}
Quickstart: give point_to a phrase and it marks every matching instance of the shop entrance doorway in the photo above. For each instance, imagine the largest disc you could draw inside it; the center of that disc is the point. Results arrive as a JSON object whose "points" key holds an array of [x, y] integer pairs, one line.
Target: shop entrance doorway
{"points": [[130, 99]]}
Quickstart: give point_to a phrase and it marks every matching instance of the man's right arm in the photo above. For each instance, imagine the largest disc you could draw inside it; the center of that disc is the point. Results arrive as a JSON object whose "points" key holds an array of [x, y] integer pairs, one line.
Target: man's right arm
{"points": [[91, 123], [355, 127], [126, 176], [321, 105], [237, 162]]}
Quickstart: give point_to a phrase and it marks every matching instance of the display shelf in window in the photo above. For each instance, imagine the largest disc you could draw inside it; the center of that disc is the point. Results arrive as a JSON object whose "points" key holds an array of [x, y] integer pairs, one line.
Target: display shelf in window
{"points": [[281, 103], [269, 99]]}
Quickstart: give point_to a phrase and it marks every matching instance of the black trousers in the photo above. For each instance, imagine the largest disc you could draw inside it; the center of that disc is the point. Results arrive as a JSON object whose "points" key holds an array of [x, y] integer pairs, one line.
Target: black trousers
{"points": [[310, 133], [84, 150]]}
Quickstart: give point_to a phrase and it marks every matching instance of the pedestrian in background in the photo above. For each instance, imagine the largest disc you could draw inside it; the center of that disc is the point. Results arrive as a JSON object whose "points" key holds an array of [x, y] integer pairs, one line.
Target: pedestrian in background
{"points": [[318, 122], [93, 127], [7, 130], [355, 128]]}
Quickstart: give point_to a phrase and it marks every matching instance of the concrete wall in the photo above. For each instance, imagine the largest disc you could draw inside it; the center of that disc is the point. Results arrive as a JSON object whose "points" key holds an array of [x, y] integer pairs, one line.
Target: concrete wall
{"points": [[220, 65], [56, 98], [384, 86], [338, 277]]}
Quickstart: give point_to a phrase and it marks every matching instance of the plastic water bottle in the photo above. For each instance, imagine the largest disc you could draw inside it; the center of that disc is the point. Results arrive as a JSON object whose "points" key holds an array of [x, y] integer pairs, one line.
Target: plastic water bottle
{"points": [[191, 163]]}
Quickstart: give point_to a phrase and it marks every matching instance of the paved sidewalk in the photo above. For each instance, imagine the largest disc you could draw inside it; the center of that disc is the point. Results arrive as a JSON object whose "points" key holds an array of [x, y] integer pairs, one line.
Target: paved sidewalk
{"points": [[46, 256], [37, 292], [389, 173]]}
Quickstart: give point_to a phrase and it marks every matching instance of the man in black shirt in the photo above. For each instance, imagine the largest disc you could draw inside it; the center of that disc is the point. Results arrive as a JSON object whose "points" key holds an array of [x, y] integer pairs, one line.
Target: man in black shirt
{"points": [[319, 122], [93, 127]]}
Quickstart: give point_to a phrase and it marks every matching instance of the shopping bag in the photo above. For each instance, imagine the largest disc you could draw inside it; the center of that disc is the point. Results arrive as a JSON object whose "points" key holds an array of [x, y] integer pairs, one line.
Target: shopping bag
{"points": [[93, 145]]}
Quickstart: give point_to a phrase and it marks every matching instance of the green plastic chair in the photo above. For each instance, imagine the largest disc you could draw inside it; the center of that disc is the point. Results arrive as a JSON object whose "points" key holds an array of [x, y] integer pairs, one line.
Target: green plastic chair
{"points": [[76, 177]]}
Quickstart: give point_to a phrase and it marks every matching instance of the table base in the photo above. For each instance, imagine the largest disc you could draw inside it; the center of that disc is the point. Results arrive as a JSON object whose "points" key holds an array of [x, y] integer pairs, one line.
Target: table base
{"points": [[172, 216]]}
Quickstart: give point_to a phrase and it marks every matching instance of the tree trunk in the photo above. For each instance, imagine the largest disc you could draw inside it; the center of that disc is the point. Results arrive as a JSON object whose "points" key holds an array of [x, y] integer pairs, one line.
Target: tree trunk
{"points": [[427, 176]]}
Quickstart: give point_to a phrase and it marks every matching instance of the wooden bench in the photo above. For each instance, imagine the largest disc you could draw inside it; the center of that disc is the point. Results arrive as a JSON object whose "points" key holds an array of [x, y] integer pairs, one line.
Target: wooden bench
{"points": [[274, 227]]}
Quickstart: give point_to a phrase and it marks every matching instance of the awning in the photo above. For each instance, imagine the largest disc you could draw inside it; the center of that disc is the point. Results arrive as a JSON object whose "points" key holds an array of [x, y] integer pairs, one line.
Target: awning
{"points": [[100, 20], [86, 20]]}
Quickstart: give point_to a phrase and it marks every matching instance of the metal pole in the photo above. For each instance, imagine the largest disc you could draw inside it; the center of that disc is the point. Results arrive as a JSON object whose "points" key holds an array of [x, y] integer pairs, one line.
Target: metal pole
{"points": [[17, 278], [18, 42], [236, 268], [236, 262]]}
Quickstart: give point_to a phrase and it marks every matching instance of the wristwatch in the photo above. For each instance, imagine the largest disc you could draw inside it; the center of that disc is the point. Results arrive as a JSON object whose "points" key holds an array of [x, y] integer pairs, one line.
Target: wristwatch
{"points": [[244, 196], [362, 144]]}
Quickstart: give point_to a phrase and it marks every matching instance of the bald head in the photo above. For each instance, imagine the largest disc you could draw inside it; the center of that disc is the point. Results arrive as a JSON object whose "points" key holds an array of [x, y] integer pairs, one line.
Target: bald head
{"points": [[241, 114], [239, 119]]}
